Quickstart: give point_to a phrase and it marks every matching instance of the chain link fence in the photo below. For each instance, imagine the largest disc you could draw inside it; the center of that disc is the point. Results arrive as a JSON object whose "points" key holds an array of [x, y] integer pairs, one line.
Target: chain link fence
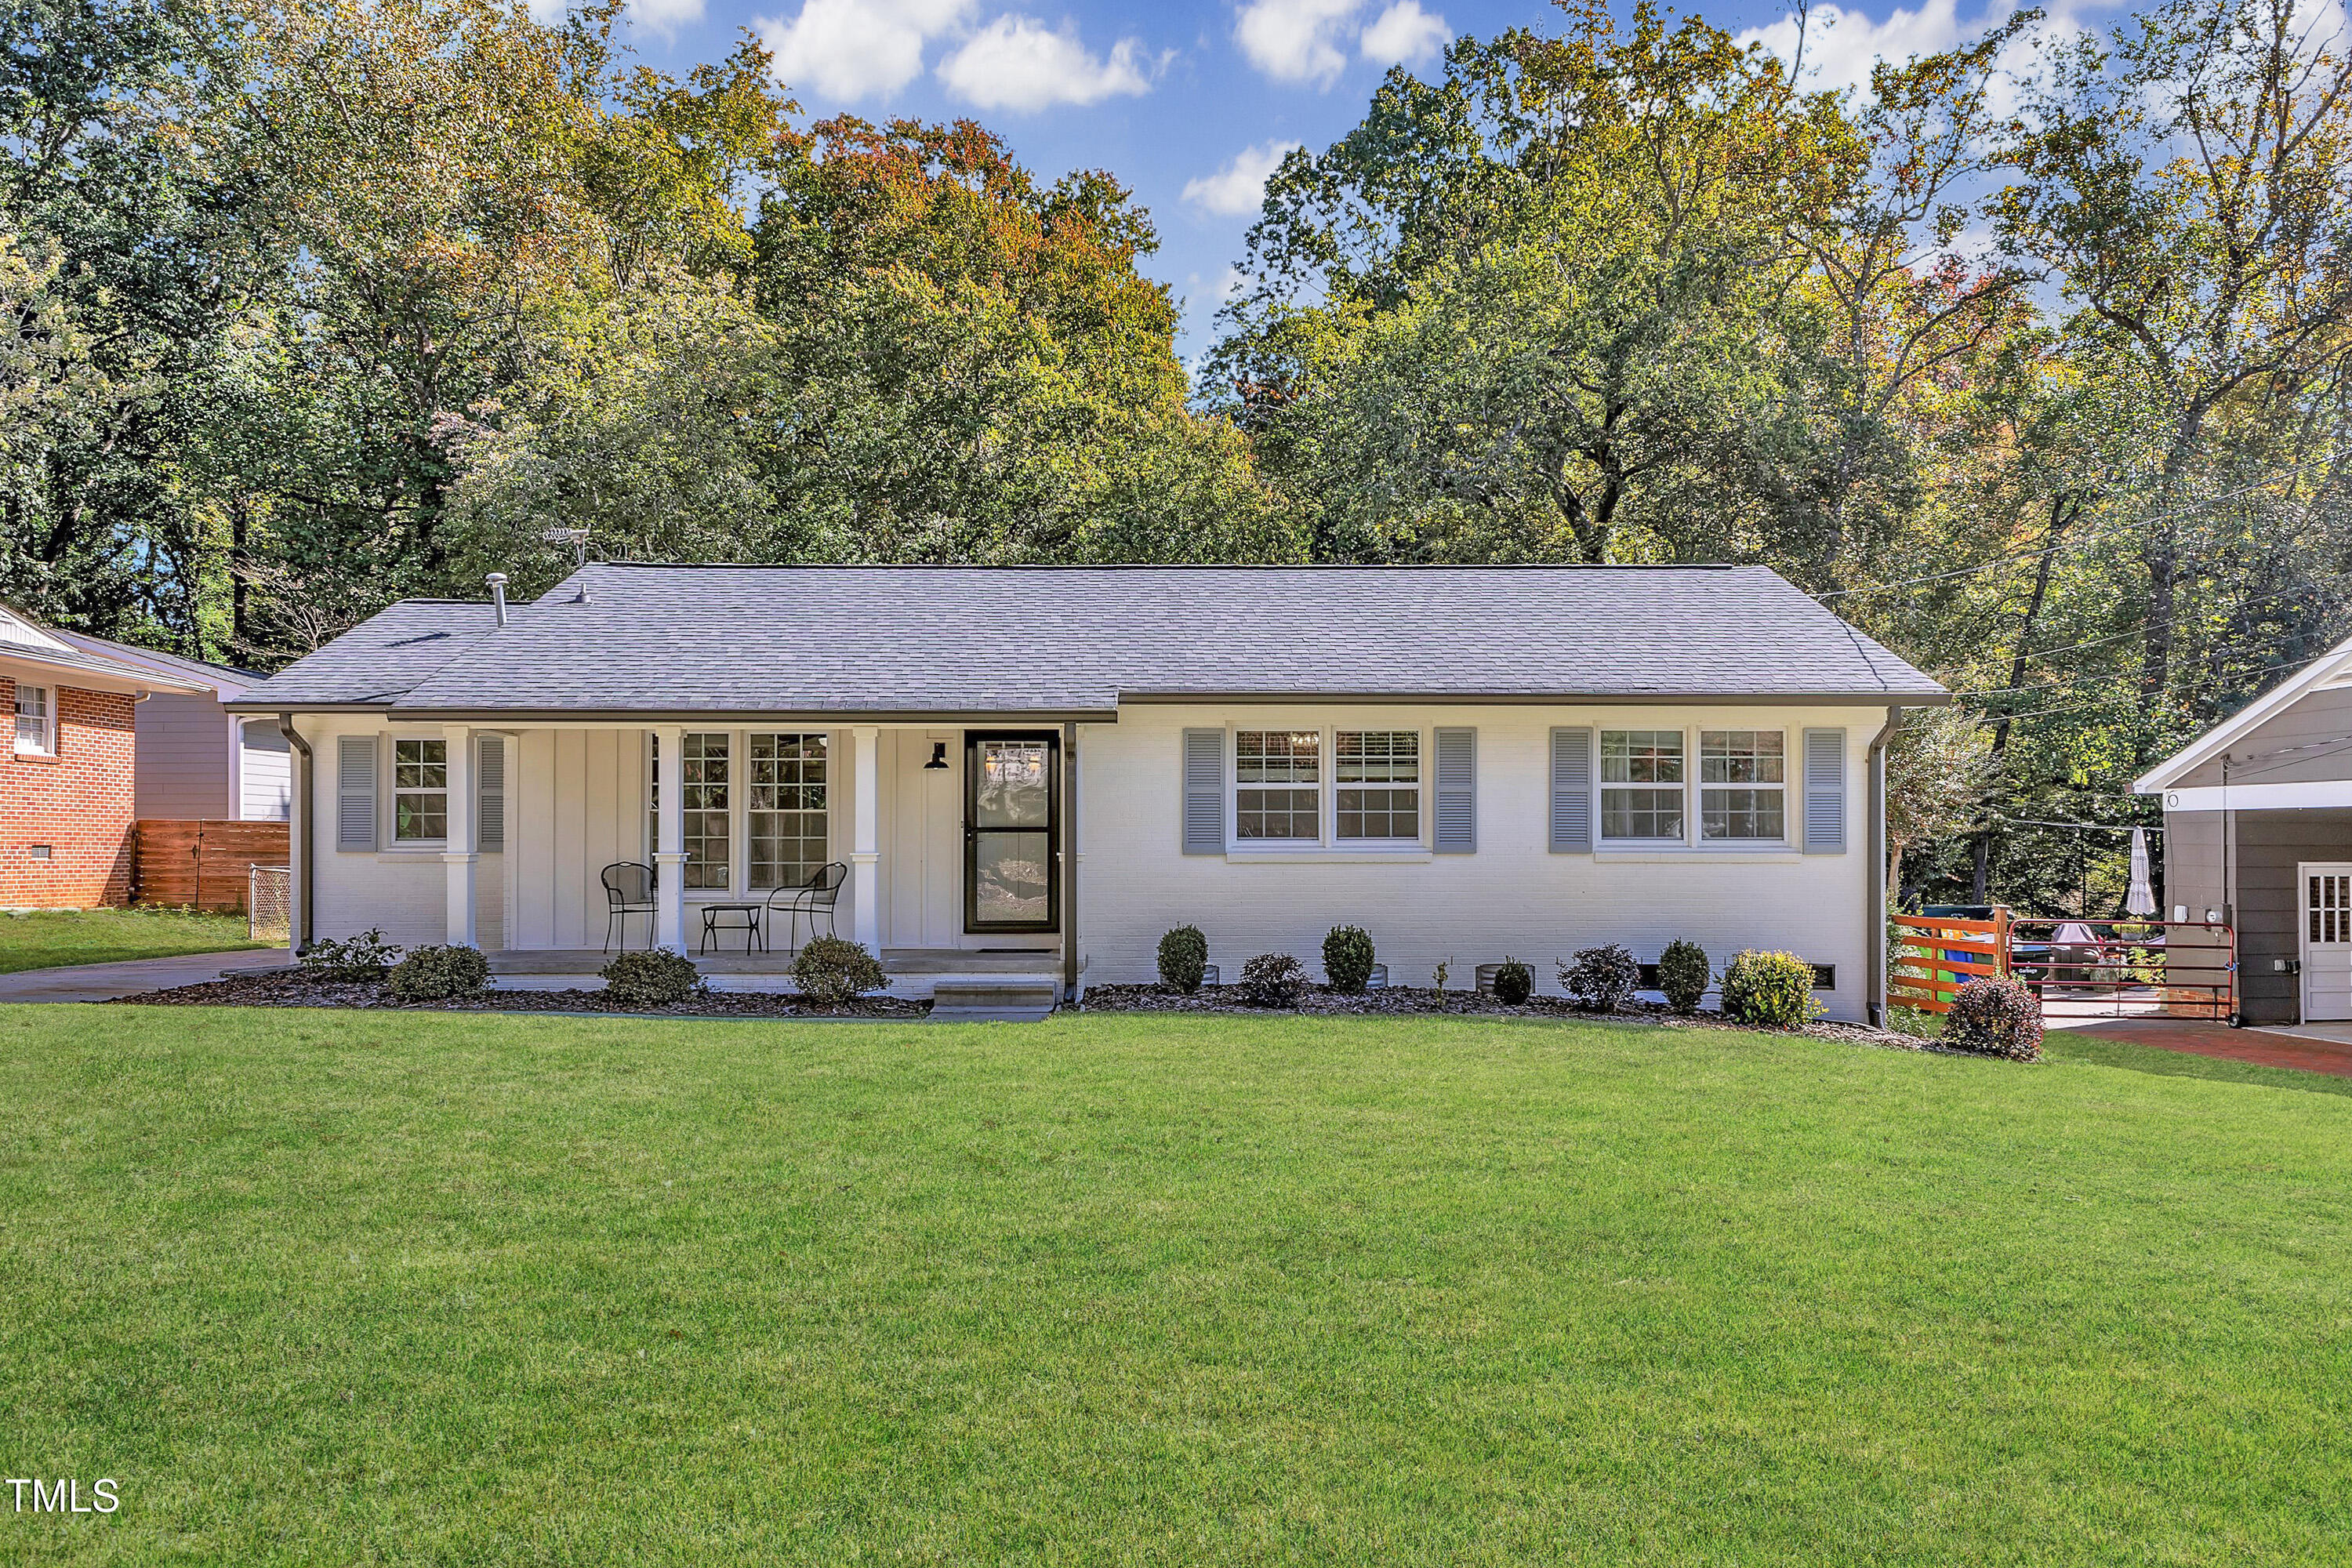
{"points": [[269, 904]]}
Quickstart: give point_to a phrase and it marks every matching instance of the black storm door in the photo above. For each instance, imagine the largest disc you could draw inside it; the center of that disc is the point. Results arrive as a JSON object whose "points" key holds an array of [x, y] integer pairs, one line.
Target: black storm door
{"points": [[1012, 831]]}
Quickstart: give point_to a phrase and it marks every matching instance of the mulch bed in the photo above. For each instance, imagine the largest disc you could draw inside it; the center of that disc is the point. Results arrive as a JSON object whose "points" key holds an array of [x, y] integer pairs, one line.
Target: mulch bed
{"points": [[1421, 1001], [284, 989]]}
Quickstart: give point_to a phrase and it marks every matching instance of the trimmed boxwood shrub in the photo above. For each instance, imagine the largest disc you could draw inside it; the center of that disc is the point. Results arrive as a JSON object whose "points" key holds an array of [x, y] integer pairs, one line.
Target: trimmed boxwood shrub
{"points": [[835, 968], [1995, 1017], [1601, 978], [367, 956], [1183, 959], [1348, 959], [1273, 980], [1684, 975], [1769, 990], [1514, 982], [434, 973], [655, 979]]}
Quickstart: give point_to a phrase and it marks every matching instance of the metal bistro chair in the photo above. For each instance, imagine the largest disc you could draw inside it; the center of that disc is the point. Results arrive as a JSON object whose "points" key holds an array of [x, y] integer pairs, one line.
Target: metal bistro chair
{"points": [[818, 895], [628, 890]]}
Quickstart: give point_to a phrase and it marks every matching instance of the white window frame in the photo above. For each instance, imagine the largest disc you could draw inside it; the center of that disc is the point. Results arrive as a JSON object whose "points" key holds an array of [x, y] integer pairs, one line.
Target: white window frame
{"points": [[1693, 788], [46, 743], [1778, 788], [739, 889], [1327, 839], [1604, 787], [389, 784]]}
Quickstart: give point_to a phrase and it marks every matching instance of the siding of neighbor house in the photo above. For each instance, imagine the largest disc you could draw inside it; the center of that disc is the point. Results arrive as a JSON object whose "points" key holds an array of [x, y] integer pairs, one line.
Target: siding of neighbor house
{"points": [[186, 752], [2267, 899], [76, 803], [266, 766], [2315, 719], [576, 801]]}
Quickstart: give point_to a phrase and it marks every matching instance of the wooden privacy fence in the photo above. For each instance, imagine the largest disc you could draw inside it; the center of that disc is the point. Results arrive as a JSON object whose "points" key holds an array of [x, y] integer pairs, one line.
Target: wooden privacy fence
{"points": [[2077, 968], [203, 864]]}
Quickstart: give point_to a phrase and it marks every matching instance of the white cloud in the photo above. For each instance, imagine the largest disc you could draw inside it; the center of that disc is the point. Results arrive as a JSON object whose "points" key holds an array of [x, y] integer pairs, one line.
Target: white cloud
{"points": [[1016, 63], [1240, 186], [1841, 45], [844, 50], [1297, 40], [1403, 34], [663, 17]]}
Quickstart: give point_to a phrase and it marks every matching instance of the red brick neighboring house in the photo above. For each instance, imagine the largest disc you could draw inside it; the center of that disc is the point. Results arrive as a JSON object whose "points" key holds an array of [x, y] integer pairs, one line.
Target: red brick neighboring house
{"points": [[67, 782]]}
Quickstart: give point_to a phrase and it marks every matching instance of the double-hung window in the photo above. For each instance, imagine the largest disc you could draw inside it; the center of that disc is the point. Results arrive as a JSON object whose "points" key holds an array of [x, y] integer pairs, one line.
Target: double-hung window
{"points": [[1278, 784], [1742, 778], [705, 787], [786, 812], [420, 791], [1379, 791], [36, 724], [1320, 788], [1641, 785]]}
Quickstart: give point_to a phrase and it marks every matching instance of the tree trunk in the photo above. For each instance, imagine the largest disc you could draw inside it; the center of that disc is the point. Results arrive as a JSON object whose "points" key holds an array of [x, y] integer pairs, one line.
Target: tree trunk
{"points": [[2063, 509]]}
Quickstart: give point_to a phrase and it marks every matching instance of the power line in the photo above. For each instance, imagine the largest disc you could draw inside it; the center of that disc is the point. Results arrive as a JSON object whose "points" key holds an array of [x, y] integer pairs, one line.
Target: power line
{"points": [[2334, 578], [2096, 702], [2098, 530]]}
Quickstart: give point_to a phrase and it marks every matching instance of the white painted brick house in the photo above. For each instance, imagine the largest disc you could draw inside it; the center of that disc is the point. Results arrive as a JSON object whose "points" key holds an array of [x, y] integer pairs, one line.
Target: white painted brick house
{"points": [[1045, 768]]}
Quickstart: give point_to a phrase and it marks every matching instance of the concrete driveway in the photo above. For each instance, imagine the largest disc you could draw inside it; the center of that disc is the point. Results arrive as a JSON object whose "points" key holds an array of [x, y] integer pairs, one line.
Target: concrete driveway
{"points": [[105, 982]]}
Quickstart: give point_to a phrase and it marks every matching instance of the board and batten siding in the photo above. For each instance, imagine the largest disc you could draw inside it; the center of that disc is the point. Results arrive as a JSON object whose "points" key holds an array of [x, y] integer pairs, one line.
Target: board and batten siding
{"points": [[1512, 895]]}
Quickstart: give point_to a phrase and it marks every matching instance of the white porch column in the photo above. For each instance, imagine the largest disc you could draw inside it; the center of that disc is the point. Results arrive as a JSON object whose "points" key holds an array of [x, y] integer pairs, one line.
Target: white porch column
{"points": [[670, 839], [866, 840], [458, 850]]}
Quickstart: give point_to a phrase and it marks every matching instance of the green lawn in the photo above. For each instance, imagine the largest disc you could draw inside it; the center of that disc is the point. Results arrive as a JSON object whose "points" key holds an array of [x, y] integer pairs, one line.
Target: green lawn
{"points": [[344, 1288], [52, 937]]}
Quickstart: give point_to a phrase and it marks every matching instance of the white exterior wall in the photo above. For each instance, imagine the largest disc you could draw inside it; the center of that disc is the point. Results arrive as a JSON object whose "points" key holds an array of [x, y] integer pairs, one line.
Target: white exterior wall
{"points": [[576, 801], [1513, 897]]}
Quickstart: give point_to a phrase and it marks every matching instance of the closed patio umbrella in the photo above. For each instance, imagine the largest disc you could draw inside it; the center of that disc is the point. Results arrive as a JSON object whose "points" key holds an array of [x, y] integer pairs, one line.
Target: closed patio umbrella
{"points": [[2141, 899]]}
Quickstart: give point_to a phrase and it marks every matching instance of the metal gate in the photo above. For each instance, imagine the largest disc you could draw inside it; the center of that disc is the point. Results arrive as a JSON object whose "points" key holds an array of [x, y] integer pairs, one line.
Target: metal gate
{"points": [[2079, 968]]}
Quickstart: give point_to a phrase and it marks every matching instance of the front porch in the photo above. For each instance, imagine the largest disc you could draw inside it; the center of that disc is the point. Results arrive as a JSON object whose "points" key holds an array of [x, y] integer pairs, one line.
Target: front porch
{"points": [[955, 846]]}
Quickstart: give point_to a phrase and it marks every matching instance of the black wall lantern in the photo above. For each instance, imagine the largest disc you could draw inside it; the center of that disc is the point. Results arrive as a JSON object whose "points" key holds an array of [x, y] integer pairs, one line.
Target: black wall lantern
{"points": [[939, 757]]}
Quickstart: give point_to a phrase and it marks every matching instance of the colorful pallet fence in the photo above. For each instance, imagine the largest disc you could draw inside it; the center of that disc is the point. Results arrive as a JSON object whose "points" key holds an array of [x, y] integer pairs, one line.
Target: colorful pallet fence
{"points": [[1933, 957]]}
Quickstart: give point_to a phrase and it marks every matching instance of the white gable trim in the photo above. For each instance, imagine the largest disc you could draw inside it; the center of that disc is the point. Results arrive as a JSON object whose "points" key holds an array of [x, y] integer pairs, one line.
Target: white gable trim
{"points": [[2319, 673]]}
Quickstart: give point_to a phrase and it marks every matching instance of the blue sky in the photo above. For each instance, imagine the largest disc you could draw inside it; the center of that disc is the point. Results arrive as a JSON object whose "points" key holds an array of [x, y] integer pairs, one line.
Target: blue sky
{"points": [[1189, 103]]}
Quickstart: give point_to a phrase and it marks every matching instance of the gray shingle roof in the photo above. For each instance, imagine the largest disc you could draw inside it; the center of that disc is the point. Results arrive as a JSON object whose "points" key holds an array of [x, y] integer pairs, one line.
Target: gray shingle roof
{"points": [[1037, 640], [75, 658]]}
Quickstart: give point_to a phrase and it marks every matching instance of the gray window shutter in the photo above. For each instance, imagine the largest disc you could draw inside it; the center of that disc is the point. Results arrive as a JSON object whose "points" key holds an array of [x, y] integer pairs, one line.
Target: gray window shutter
{"points": [[491, 795], [1204, 792], [1825, 791], [1457, 793], [355, 792], [1571, 790]]}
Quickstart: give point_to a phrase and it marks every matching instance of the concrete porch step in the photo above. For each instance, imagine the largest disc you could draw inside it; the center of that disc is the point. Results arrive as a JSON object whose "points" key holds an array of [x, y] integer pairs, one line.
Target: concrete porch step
{"points": [[983, 998]]}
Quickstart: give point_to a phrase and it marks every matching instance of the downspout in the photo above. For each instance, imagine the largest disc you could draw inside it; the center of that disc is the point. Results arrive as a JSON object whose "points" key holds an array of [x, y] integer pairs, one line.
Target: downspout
{"points": [[1070, 863], [299, 829], [1874, 905]]}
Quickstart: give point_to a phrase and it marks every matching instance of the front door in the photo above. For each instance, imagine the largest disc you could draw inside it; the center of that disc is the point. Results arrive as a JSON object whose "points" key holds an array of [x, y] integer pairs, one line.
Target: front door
{"points": [[2327, 937], [1011, 832]]}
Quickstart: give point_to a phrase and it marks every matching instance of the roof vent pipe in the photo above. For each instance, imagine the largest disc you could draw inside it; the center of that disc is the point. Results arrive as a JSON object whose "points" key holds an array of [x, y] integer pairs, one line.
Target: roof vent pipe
{"points": [[498, 582]]}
